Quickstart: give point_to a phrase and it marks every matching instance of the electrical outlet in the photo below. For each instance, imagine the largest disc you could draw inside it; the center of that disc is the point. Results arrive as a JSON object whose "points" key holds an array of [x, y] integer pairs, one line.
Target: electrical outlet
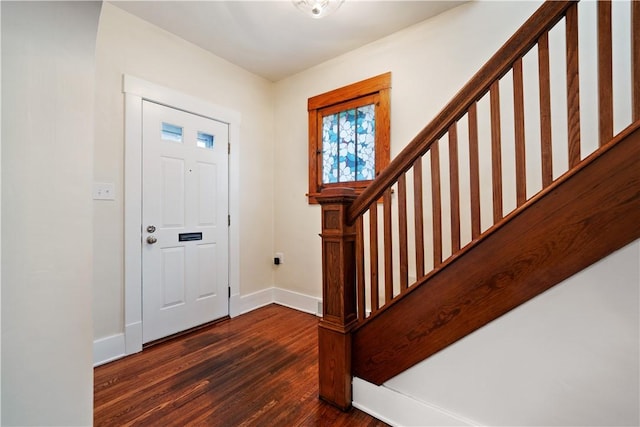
{"points": [[280, 257]]}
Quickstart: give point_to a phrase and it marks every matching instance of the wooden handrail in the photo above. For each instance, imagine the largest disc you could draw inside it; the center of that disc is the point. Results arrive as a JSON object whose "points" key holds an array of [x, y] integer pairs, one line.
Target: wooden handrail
{"points": [[474, 287], [519, 44], [628, 132], [505, 175]]}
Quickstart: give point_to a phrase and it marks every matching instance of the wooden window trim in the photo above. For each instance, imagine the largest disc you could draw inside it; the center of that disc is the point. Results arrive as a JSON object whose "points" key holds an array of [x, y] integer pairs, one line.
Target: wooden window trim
{"points": [[356, 94]]}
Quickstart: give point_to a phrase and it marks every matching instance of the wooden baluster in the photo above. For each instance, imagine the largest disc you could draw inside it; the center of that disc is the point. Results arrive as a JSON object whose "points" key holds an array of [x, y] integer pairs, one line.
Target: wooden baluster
{"points": [[474, 171], [605, 72], [373, 255], [454, 187], [518, 115], [418, 216], [436, 205], [388, 247], [496, 151], [635, 57], [360, 282], [573, 86], [338, 295], [545, 110], [402, 230]]}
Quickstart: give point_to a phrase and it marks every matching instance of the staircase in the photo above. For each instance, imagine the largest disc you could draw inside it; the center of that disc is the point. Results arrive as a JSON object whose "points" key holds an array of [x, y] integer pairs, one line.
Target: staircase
{"points": [[401, 282]]}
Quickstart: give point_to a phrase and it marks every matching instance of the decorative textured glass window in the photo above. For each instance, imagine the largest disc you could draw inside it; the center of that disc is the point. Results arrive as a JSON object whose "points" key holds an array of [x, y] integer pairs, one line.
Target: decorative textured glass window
{"points": [[348, 145], [349, 135], [171, 132], [205, 140]]}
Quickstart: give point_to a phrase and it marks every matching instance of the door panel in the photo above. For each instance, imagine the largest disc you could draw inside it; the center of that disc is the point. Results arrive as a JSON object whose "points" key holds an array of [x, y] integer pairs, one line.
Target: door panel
{"points": [[207, 185], [185, 197], [207, 263], [173, 290], [172, 192]]}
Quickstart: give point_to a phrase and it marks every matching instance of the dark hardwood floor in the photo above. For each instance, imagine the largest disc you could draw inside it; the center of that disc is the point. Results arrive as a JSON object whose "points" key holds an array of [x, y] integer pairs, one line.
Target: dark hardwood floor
{"points": [[258, 369]]}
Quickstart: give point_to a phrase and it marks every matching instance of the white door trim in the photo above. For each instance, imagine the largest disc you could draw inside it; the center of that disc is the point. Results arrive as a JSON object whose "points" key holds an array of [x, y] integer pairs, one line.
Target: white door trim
{"points": [[136, 90]]}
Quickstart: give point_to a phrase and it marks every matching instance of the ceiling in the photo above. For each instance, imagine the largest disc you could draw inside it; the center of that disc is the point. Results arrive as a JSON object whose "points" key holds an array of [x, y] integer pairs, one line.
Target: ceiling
{"points": [[274, 39]]}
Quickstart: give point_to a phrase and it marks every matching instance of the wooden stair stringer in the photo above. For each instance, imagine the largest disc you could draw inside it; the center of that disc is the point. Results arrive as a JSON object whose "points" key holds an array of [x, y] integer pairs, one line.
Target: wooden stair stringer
{"points": [[583, 217]]}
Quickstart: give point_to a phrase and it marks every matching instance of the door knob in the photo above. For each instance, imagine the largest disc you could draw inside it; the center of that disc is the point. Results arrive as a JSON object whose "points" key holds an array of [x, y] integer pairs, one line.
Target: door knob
{"points": [[151, 229], [151, 240]]}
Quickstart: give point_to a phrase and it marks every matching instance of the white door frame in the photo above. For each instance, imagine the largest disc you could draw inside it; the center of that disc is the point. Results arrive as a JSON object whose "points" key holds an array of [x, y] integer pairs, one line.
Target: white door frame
{"points": [[135, 91]]}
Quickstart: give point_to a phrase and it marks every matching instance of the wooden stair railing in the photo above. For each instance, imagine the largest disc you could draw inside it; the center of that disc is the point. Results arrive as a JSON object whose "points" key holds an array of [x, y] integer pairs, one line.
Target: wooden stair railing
{"points": [[365, 273]]}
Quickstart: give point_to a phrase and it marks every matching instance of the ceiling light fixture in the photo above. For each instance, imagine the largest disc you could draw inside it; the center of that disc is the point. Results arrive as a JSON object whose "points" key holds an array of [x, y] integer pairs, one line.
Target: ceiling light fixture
{"points": [[318, 8]]}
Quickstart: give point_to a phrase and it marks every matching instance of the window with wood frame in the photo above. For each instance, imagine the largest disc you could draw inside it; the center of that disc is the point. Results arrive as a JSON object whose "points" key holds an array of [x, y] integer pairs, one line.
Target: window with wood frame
{"points": [[349, 132]]}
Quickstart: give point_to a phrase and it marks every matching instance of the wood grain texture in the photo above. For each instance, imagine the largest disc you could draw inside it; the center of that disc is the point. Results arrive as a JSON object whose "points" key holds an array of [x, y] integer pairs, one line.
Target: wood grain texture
{"points": [[338, 257], [339, 300], [360, 280], [258, 369], [388, 248], [519, 133], [314, 153], [584, 216], [418, 217], [605, 72], [499, 64], [496, 152], [436, 205], [374, 90], [383, 130], [454, 188], [355, 90], [402, 232], [545, 110], [373, 256], [334, 366], [474, 171], [573, 85]]}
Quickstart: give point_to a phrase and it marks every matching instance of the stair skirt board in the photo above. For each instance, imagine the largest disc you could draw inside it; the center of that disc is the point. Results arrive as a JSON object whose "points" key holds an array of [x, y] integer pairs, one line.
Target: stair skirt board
{"points": [[398, 409], [113, 347]]}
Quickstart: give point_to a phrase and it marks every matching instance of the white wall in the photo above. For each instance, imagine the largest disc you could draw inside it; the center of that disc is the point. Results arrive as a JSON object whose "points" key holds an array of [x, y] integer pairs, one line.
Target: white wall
{"points": [[429, 63], [47, 148], [567, 357], [128, 45]]}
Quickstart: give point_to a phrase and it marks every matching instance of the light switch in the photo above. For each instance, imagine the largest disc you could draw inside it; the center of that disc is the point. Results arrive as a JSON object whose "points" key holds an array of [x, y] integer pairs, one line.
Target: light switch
{"points": [[104, 191]]}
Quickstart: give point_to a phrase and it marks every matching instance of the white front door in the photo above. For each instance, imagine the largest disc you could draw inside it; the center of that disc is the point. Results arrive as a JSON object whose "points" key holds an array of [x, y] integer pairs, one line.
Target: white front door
{"points": [[184, 220]]}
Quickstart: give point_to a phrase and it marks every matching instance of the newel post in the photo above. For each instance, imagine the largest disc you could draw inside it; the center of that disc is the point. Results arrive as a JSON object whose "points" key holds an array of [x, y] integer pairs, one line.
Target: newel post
{"points": [[339, 314]]}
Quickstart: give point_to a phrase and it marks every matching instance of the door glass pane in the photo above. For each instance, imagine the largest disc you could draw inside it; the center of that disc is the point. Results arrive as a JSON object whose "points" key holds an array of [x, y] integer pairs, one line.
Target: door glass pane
{"points": [[347, 146], [171, 132], [365, 146], [205, 140], [330, 149]]}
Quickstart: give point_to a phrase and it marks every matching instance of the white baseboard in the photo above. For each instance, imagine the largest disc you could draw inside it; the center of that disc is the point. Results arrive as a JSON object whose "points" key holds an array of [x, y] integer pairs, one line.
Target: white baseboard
{"points": [[398, 409], [243, 304], [108, 349], [133, 338], [298, 301], [116, 346]]}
